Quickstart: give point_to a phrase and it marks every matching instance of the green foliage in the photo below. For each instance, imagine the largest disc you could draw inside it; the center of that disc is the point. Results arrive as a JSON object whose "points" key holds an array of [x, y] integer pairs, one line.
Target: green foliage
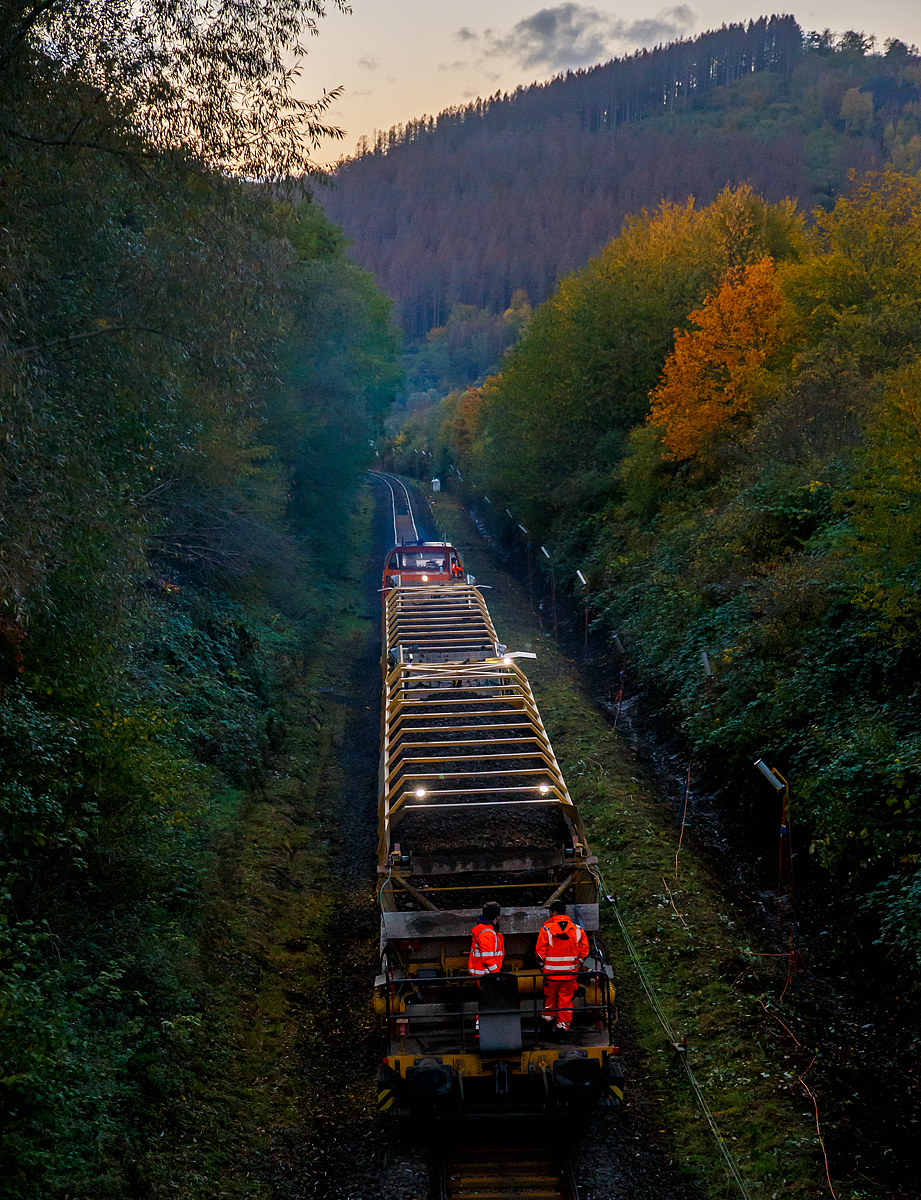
{"points": [[885, 508], [177, 72], [178, 349], [593, 352], [466, 348], [898, 903], [339, 377]]}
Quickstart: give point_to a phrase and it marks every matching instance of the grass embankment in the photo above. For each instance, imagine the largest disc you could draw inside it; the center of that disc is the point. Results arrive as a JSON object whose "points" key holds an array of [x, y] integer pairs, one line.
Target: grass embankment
{"points": [[748, 1046], [257, 1081]]}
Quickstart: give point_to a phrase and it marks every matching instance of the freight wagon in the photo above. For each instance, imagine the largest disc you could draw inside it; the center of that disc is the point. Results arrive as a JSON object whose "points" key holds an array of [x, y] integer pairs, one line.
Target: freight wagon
{"points": [[473, 808]]}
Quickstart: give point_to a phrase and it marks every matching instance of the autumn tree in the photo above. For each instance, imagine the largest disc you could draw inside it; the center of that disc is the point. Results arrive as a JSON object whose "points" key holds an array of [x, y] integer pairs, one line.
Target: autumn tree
{"points": [[580, 377], [715, 372]]}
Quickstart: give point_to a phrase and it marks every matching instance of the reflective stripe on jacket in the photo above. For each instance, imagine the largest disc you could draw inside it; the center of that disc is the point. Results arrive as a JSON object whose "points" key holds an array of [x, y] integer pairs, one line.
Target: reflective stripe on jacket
{"points": [[561, 946], [487, 951]]}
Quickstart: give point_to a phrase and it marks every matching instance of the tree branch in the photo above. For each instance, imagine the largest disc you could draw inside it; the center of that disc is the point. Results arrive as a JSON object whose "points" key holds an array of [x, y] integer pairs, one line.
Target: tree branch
{"points": [[80, 337], [28, 20]]}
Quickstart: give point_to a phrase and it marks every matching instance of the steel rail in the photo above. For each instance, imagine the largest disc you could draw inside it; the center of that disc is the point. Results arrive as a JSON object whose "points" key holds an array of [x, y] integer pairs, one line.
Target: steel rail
{"points": [[409, 504]]}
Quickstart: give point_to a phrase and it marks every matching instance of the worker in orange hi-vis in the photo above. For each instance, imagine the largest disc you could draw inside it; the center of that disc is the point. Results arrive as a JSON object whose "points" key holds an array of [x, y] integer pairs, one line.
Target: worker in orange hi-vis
{"points": [[561, 947], [488, 948]]}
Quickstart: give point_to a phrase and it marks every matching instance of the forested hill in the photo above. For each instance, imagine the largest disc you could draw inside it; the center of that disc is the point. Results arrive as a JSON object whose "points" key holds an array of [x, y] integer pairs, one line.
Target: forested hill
{"points": [[517, 190]]}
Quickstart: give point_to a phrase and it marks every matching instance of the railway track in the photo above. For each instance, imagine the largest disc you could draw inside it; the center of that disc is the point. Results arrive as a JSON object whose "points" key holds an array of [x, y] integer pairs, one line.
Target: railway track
{"points": [[405, 528], [495, 1165], [472, 805]]}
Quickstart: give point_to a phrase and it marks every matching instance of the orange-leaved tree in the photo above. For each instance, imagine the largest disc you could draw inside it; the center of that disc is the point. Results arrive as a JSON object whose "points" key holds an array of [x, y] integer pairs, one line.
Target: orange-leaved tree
{"points": [[715, 371]]}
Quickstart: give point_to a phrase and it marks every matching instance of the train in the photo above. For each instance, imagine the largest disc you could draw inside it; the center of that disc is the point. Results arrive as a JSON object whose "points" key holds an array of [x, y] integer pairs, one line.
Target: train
{"points": [[473, 808]]}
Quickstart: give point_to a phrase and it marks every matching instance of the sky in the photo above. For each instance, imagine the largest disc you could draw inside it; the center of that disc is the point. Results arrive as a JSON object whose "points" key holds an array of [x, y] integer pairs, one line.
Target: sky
{"points": [[400, 59]]}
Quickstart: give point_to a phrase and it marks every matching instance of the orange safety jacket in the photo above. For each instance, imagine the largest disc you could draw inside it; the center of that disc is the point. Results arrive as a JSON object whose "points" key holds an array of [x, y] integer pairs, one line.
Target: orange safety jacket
{"points": [[561, 945], [487, 951]]}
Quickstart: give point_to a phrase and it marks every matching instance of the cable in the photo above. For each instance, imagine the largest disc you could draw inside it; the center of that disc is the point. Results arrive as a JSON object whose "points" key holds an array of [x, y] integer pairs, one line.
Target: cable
{"points": [[633, 955]]}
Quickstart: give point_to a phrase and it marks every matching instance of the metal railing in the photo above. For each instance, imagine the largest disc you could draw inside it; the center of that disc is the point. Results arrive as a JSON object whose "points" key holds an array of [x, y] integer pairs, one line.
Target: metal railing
{"points": [[463, 1020]]}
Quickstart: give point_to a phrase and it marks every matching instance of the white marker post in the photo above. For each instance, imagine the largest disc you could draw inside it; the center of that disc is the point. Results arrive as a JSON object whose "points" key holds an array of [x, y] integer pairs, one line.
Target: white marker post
{"points": [[584, 583], [547, 555]]}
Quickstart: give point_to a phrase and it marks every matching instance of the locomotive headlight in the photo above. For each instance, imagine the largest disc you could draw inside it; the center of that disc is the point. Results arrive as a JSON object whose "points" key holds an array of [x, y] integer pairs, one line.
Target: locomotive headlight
{"points": [[425, 578]]}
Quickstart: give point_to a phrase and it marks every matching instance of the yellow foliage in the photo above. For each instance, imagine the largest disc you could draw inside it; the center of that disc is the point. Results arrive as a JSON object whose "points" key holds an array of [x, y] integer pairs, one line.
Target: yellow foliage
{"points": [[886, 506], [712, 375]]}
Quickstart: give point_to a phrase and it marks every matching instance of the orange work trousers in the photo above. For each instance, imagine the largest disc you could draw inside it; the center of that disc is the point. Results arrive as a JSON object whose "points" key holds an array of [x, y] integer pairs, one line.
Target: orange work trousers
{"points": [[558, 993]]}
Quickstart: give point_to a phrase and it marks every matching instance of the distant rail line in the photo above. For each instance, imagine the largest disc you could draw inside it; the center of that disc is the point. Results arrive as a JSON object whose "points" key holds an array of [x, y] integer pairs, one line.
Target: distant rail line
{"points": [[401, 506]]}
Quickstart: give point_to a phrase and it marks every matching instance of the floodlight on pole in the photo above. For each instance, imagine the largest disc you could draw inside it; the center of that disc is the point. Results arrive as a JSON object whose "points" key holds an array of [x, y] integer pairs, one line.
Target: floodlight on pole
{"points": [[774, 778]]}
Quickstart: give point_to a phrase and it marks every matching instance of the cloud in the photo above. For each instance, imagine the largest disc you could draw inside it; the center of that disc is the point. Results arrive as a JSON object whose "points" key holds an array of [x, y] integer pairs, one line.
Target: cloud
{"points": [[369, 64], [465, 34], [572, 35], [455, 66]]}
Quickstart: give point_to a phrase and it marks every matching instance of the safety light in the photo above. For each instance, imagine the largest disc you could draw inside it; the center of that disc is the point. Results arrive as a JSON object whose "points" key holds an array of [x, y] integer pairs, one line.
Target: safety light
{"points": [[420, 792], [544, 789]]}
